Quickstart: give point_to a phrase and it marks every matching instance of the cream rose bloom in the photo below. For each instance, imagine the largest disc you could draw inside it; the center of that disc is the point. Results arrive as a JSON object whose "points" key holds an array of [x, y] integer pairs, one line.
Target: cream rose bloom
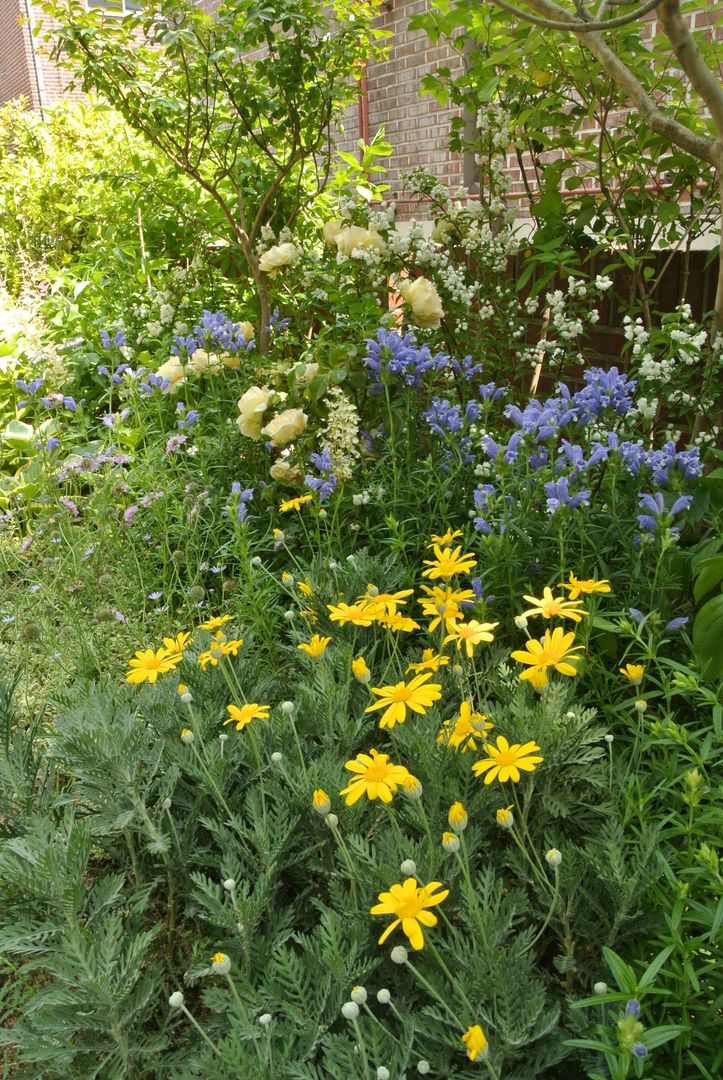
{"points": [[230, 361], [175, 372], [354, 238], [275, 257], [248, 331], [201, 362], [442, 231], [251, 407], [285, 426], [285, 473], [331, 230], [423, 299]]}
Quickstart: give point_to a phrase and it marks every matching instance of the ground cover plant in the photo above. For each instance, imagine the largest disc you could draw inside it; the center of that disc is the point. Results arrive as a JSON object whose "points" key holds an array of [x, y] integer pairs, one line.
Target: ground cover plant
{"points": [[360, 704]]}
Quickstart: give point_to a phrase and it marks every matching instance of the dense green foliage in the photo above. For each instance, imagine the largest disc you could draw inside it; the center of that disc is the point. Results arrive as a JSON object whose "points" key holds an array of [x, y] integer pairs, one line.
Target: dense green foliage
{"points": [[412, 524]]}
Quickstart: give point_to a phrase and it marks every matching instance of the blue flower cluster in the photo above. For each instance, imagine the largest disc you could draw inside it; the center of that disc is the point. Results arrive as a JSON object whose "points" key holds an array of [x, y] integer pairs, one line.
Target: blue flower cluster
{"points": [[116, 377], [390, 353], [539, 442], [277, 324], [656, 519], [154, 382], [119, 339], [187, 417], [48, 401], [326, 482], [216, 332], [238, 500]]}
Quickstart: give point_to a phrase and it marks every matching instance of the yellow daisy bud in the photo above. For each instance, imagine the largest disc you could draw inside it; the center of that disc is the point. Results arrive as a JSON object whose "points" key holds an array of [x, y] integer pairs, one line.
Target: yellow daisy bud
{"points": [[321, 802], [457, 817]]}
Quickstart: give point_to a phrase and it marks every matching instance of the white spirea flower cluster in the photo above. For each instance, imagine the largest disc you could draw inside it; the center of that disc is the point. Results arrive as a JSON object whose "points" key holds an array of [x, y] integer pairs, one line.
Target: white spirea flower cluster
{"points": [[341, 433]]}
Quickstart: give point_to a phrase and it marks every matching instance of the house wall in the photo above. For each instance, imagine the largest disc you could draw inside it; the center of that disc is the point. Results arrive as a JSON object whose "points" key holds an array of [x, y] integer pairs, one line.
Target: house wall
{"points": [[17, 77], [416, 126]]}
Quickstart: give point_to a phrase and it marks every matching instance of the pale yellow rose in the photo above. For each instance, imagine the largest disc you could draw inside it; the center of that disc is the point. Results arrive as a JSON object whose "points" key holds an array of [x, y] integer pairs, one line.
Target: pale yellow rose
{"points": [[175, 372], [247, 329], [275, 257], [285, 473], [423, 298], [354, 238], [309, 372], [202, 362], [285, 426], [230, 361], [251, 407], [442, 231], [331, 230]]}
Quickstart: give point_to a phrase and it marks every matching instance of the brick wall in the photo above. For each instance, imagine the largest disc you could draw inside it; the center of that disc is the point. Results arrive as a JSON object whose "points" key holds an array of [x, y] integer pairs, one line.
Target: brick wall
{"points": [[417, 127], [36, 78], [17, 78]]}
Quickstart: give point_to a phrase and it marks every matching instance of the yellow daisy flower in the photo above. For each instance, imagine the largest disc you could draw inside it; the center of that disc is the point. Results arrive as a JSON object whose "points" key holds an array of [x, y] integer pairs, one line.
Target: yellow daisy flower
{"points": [[633, 672], [242, 715], [321, 802], [430, 661], [410, 902], [215, 623], [295, 504], [462, 732], [505, 761], [231, 648], [316, 647], [360, 670], [470, 634], [356, 614], [441, 604], [387, 603], [555, 650], [306, 589], [476, 1042], [447, 562], [396, 622], [446, 538], [395, 700], [551, 607], [148, 664], [576, 586], [179, 643], [374, 776]]}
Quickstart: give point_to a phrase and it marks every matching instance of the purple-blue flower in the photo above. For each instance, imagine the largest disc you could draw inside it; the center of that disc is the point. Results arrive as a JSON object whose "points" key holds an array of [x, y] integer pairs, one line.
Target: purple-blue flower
{"points": [[393, 354], [240, 498], [632, 1008], [558, 496], [326, 482]]}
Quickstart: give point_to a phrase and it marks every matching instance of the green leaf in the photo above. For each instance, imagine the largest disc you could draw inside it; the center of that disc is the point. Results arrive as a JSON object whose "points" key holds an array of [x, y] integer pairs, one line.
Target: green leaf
{"points": [[18, 435], [654, 967], [710, 572], [658, 1036], [622, 973], [708, 638]]}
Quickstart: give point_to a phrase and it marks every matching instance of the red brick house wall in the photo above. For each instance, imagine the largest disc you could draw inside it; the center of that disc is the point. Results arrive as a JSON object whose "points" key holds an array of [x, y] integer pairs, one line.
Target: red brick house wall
{"points": [[416, 126], [17, 76]]}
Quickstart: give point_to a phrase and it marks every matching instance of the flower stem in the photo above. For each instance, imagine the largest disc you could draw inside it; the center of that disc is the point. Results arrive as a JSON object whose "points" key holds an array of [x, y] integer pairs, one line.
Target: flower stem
{"points": [[200, 1030]]}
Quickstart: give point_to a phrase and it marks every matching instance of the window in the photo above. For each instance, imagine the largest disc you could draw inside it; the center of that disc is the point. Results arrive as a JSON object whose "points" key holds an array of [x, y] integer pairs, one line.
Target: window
{"points": [[114, 7]]}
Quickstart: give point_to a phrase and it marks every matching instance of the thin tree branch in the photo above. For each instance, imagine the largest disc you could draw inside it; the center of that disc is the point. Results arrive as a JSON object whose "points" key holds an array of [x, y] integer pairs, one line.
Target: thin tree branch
{"points": [[691, 61], [578, 25], [698, 146]]}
